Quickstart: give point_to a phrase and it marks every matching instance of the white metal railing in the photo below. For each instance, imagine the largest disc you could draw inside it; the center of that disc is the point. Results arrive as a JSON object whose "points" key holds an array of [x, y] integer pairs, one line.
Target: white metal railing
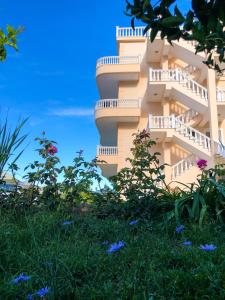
{"points": [[107, 150], [172, 122], [182, 166], [118, 60], [178, 76], [118, 103], [220, 95]]}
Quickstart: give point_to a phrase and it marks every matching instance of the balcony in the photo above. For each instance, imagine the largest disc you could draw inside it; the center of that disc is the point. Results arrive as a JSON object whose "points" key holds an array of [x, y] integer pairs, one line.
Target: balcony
{"points": [[123, 110], [112, 69], [108, 154], [124, 33]]}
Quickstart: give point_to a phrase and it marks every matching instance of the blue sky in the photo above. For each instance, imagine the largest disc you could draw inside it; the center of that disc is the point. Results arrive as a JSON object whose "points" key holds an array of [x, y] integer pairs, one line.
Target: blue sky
{"points": [[52, 77]]}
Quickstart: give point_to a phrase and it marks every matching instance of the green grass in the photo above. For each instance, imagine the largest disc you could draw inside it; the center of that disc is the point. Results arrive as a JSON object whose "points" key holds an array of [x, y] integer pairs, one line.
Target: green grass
{"points": [[72, 261]]}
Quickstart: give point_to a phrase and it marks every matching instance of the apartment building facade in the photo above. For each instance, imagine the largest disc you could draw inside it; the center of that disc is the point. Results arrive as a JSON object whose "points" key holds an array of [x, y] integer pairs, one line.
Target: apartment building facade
{"points": [[166, 89]]}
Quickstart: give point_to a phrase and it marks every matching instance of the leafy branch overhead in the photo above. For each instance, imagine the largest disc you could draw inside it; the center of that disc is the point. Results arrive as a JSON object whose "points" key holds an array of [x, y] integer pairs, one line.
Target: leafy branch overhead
{"points": [[203, 23], [8, 38]]}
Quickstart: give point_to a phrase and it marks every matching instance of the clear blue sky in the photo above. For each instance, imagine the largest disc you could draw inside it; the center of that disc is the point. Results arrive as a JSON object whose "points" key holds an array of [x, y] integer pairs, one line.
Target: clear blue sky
{"points": [[52, 77]]}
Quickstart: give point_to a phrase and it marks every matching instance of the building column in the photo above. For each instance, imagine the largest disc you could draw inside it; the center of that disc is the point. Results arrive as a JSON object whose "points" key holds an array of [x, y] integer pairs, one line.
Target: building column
{"points": [[164, 62], [166, 107], [212, 111]]}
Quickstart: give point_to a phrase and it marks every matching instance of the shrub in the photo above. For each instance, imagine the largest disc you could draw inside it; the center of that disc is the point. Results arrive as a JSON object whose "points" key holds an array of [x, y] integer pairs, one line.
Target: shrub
{"points": [[137, 190], [203, 201]]}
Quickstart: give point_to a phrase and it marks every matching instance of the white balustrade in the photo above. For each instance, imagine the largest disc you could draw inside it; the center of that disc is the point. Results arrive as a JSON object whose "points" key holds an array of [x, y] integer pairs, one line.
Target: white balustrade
{"points": [[129, 32], [118, 103], [183, 165], [117, 60], [220, 149], [178, 76], [107, 150], [168, 122], [187, 116], [157, 122], [220, 95]]}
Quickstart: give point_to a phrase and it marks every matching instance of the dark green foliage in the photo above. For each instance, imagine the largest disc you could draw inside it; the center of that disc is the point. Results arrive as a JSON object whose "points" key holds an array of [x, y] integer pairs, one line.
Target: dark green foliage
{"points": [[138, 189], [204, 201], [10, 143], [50, 185], [203, 23]]}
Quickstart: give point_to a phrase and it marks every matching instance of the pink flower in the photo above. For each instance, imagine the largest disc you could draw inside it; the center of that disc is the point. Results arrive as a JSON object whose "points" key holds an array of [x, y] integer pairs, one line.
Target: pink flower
{"points": [[202, 164], [52, 150]]}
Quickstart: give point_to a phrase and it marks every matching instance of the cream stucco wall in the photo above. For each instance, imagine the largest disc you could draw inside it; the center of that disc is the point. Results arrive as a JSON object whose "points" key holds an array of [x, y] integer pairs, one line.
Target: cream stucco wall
{"points": [[162, 99]]}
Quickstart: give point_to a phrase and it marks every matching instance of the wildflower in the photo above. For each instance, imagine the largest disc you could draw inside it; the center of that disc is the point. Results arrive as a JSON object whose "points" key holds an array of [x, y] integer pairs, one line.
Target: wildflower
{"points": [[52, 150], [42, 292], [115, 247], [202, 164], [29, 297], [65, 223], [207, 247], [134, 222], [179, 229], [187, 243], [21, 277]]}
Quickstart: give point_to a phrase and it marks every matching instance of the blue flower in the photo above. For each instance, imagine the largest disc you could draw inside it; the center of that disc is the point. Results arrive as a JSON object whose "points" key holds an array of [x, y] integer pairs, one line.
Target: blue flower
{"points": [[42, 292], [179, 229], [187, 243], [115, 247], [65, 223], [29, 297], [21, 277], [207, 247], [134, 222]]}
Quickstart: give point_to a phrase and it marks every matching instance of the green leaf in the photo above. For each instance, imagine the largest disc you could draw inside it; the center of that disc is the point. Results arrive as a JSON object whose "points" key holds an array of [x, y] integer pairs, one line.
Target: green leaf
{"points": [[153, 34], [172, 22]]}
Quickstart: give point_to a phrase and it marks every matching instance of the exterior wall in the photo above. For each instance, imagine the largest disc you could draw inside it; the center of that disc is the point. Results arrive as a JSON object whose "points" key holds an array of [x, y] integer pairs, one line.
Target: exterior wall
{"points": [[169, 102]]}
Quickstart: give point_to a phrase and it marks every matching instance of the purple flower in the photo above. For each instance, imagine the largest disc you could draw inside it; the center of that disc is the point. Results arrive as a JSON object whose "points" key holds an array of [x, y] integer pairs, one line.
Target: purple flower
{"points": [[179, 229], [42, 292], [115, 247], [65, 223], [21, 277], [202, 164], [187, 243], [134, 222], [207, 247]]}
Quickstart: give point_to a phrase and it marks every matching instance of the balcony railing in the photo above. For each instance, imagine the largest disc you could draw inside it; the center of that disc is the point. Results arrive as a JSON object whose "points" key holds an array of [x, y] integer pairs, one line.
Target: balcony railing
{"points": [[178, 76], [107, 150], [139, 32], [118, 60], [118, 103], [129, 32], [220, 95], [183, 165]]}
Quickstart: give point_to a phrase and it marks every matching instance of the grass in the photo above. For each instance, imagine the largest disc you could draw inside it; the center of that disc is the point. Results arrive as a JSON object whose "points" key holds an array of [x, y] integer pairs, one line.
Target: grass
{"points": [[73, 262]]}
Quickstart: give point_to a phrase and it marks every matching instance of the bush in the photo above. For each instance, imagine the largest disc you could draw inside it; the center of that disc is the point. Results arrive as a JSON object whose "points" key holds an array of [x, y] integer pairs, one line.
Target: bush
{"points": [[203, 201]]}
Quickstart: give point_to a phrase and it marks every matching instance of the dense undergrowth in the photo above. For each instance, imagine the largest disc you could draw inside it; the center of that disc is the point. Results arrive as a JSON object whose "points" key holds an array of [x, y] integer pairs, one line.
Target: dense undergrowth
{"points": [[60, 239], [71, 258]]}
